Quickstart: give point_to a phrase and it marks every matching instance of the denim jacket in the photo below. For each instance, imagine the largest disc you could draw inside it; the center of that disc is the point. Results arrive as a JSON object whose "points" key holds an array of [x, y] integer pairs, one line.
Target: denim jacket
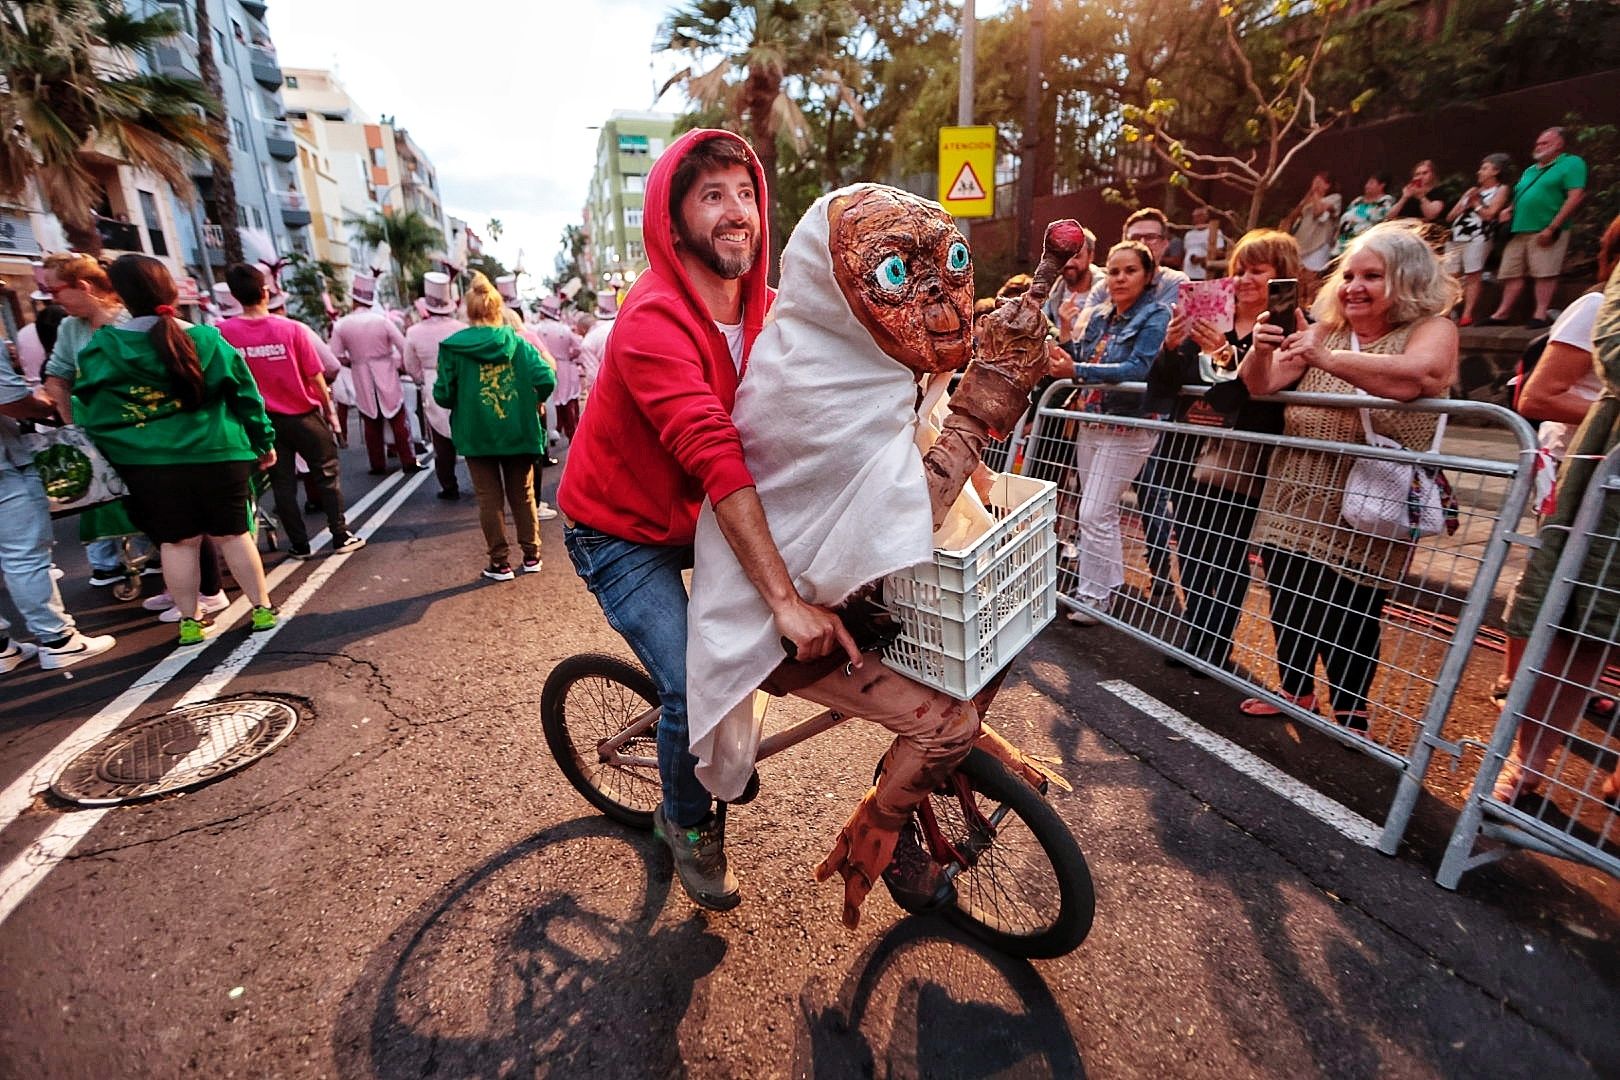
{"points": [[1120, 348]]}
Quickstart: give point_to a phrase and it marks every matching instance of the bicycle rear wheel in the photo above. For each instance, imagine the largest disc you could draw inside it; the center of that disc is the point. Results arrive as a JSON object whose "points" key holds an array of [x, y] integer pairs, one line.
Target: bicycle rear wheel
{"points": [[1024, 887], [589, 702]]}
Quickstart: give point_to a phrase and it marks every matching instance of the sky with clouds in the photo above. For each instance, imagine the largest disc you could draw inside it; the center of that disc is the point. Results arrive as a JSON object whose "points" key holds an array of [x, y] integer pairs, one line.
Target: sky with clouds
{"points": [[502, 100]]}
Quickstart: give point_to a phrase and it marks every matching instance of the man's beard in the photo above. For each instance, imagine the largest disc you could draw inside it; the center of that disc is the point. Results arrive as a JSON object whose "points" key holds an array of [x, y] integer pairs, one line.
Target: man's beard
{"points": [[729, 268]]}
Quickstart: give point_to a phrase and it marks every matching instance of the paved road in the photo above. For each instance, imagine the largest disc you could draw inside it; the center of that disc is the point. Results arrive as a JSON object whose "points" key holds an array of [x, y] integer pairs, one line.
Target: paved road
{"points": [[409, 888]]}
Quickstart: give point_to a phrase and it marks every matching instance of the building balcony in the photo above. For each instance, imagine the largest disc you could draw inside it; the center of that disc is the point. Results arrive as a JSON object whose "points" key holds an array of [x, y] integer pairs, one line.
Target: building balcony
{"points": [[177, 58], [294, 209], [266, 71], [119, 235], [278, 140], [254, 8]]}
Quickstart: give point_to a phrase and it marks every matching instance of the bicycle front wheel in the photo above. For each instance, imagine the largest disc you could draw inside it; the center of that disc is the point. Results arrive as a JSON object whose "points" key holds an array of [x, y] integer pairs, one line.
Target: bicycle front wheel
{"points": [[1024, 886], [599, 715]]}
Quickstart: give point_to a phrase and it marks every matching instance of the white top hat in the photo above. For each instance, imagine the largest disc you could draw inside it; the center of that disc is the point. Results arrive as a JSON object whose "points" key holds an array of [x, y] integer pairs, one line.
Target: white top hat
{"points": [[551, 306], [274, 298], [229, 306], [436, 293], [364, 289], [607, 304]]}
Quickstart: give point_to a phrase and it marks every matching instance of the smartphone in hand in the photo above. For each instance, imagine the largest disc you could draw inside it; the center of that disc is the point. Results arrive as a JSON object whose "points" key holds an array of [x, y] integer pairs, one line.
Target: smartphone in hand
{"points": [[1282, 301]]}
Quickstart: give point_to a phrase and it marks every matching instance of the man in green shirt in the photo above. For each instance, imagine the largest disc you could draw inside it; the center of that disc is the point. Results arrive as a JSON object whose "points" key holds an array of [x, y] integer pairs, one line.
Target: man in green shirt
{"points": [[1544, 200]]}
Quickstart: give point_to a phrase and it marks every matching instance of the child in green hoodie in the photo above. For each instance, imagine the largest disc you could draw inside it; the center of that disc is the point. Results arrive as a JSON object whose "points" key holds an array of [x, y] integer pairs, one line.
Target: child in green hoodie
{"points": [[176, 410], [495, 386]]}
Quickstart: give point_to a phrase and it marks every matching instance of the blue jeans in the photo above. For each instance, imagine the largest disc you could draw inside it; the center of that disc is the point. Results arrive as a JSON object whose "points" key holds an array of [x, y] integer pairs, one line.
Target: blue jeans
{"points": [[641, 592], [25, 555]]}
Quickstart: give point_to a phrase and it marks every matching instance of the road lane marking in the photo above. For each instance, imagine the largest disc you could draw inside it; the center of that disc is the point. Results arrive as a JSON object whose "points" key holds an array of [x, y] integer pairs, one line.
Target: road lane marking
{"points": [[28, 869], [1335, 815], [18, 796]]}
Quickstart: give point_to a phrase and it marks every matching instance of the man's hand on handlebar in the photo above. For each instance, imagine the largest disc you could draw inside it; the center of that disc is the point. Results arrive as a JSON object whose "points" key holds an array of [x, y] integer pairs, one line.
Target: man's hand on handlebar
{"points": [[813, 632]]}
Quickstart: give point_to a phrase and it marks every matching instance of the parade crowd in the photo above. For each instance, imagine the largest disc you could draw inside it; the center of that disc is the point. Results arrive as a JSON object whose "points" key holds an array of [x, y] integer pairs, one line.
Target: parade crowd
{"points": [[199, 419]]}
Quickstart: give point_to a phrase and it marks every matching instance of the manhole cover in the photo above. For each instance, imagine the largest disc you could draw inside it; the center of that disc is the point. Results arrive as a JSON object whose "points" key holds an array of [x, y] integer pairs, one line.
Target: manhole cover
{"points": [[175, 751]]}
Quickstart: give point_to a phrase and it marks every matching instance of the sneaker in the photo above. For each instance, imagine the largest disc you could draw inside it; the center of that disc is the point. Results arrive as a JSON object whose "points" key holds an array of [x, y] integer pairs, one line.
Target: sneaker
{"points": [[449, 494], [300, 554], [1090, 616], [531, 566], [503, 572], [195, 631], [16, 654], [348, 543], [103, 578], [264, 618], [77, 647], [700, 860], [544, 511], [206, 605], [1067, 551], [161, 602]]}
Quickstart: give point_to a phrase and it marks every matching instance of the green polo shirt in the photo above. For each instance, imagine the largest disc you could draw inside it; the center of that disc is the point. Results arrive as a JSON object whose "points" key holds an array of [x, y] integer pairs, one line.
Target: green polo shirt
{"points": [[1540, 192]]}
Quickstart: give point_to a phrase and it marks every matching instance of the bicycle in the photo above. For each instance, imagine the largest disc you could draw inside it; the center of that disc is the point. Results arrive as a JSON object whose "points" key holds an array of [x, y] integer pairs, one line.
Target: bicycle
{"points": [[1014, 875]]}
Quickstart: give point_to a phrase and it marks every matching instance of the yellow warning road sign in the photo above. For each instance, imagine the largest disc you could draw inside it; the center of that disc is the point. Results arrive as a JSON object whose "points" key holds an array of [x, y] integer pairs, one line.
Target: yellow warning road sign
{"points": [[967, 171]]}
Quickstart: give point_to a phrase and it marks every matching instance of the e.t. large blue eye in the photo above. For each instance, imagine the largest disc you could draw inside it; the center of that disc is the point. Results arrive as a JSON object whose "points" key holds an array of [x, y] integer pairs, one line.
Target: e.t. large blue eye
{"points": [[957, 257], [891, 274]]}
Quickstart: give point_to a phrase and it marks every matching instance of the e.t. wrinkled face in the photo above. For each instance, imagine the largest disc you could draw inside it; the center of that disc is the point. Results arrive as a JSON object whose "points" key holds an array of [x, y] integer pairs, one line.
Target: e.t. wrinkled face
{"points": [[907, 275]]}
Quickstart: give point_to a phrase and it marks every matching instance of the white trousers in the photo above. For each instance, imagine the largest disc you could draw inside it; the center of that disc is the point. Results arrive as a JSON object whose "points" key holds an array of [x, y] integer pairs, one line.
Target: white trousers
{"points": [[1106, 460]]}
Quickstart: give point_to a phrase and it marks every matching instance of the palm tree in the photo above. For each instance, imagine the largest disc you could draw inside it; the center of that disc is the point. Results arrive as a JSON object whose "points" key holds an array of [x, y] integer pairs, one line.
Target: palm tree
{"points": [[494, 228], [224, 177], [412, 238], [71, 93], [757, 49]]}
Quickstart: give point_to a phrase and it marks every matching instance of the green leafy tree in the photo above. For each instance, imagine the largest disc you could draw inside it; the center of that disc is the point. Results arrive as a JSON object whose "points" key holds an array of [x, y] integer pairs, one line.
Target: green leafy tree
{"points": [[412, 238], [71, 89], [309, 282], [746, 58], [495, 228]]}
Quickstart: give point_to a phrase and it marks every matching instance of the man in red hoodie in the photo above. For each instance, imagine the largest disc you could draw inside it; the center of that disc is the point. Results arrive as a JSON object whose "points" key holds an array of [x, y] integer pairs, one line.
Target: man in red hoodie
{"points": [[658, 439]]}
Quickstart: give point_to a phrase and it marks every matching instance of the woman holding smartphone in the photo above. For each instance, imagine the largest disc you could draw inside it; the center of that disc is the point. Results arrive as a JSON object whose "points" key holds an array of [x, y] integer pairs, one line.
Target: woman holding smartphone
{"points": [[1121, 341], [1381, 328], [1216, 510]]}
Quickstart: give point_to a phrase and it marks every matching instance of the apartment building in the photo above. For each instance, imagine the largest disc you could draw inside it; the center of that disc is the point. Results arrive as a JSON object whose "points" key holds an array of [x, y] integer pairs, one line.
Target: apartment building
{"points": [[625, 150]]}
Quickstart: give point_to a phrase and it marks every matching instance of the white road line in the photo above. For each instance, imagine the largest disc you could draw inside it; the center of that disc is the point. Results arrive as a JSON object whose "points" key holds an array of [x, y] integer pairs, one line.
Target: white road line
{"points": [[18, 796], [24, 873], [1333, 814]]}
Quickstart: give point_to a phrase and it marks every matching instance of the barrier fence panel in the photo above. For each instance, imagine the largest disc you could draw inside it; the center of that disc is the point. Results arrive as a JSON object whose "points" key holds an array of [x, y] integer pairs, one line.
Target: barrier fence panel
{"points": [[1226, 550], [1552, 758]]}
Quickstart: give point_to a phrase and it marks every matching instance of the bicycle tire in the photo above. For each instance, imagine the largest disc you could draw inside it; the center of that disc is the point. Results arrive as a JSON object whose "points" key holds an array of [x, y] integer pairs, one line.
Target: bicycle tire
{"points": [[1007, 897], [587, 700]]}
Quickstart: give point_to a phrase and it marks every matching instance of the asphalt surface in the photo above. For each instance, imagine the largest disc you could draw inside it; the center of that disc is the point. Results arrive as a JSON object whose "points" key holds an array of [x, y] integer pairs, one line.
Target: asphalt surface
{"points": [[408, 887]]}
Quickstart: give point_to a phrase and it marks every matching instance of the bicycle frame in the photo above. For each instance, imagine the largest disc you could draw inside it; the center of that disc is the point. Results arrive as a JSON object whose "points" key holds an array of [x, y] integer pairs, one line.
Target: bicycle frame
{"points": [[611, 751]]}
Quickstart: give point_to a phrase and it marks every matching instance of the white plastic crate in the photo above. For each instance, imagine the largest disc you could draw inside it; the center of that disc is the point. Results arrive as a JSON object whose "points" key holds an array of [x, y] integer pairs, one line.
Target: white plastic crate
{"points": [[966, 615]]}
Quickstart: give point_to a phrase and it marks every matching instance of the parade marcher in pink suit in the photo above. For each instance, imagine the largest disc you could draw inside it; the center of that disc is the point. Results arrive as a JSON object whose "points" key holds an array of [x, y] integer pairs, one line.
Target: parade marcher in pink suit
{"points": [[422, 364], [564, 346], [373, 349]]}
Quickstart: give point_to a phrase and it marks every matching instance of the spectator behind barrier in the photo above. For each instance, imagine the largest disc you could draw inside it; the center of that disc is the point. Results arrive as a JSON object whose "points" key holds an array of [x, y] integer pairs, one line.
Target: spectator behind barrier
{"points": [[1474, 223], [1381, 329], [1575, 660], [1314, 223], [1369, 208], [1215, 509]]}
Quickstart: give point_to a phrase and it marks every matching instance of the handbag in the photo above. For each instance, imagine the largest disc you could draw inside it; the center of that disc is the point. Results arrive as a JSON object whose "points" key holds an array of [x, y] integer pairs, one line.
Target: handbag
{"points": [[1397, 500], [75, 474]]}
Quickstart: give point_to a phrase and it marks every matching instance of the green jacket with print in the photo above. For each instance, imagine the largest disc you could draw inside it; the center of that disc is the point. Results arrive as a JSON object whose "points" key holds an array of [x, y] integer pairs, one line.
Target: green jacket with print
{"points": [[493, 382]]}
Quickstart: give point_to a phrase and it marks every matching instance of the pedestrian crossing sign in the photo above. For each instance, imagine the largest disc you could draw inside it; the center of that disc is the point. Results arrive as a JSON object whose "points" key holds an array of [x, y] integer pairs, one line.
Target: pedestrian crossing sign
{"points": [[967, 171]]}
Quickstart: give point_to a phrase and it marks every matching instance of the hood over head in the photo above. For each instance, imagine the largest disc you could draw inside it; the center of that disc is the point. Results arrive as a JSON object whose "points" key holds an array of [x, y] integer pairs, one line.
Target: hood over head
{"points": [[482, 344], [658, 230]]}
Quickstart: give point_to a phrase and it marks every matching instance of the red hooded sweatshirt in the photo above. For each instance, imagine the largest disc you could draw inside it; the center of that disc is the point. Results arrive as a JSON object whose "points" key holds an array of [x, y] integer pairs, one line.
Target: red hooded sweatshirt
{"points": [[656, 436]]}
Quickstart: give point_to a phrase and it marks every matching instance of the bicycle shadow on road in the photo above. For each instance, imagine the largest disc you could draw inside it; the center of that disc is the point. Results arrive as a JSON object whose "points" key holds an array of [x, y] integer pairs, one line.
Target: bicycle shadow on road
{"points": [[903, 1000], [533, 962]]}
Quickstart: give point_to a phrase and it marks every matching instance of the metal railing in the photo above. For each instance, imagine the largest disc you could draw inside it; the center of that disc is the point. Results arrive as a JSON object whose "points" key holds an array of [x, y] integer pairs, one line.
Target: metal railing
{"points": [[1549, 780], [1225, 550]]}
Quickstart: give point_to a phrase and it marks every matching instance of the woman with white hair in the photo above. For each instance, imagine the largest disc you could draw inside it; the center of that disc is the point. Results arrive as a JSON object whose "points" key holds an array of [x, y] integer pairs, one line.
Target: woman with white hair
{"points": [[1381, 328]]}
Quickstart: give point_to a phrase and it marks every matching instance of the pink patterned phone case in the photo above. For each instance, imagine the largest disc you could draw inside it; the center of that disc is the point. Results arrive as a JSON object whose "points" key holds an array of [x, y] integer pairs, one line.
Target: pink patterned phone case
{"points": [[1214, 301]]}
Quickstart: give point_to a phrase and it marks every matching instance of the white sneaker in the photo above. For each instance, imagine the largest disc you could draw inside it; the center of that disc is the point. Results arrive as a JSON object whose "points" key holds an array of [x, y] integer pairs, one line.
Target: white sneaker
{"points": [[161, 602], [544, 511], [1089, 616], [76, 648], [16, 654], [209, 605]]}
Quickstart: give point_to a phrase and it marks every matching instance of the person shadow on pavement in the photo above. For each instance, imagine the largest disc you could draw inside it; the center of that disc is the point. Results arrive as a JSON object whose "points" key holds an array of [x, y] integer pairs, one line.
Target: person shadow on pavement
{"points": [[903, 999], [536, 961]]}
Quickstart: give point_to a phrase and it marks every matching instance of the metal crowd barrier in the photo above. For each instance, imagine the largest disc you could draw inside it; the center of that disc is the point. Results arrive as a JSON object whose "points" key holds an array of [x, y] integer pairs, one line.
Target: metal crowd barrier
{"points": [[1560, 709], [1189, 514]]}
